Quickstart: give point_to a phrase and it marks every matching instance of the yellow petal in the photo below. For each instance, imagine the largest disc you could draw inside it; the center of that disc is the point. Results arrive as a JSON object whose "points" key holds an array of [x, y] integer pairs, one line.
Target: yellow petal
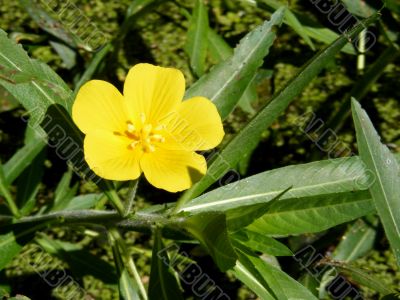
{"points": [[173, 171], [195, 125], [111, 157], [153, 91], [99, 106]]}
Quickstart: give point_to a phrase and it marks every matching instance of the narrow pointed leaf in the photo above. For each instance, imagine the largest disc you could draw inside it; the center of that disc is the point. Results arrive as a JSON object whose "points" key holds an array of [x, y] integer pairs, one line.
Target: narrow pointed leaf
{"points": [[221, 51], [361, 277], [283, 286], [262, 243], [356, 242], [163, 284], [196, 44], [291, 20], [250, 280], [381, 162], [22, 158], [312, 179], [313, 214], [210, 229], [236, 72]]}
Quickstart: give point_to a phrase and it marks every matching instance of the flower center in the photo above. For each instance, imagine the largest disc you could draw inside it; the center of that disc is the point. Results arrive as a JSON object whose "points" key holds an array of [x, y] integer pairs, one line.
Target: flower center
{"points": [[146, 137]]}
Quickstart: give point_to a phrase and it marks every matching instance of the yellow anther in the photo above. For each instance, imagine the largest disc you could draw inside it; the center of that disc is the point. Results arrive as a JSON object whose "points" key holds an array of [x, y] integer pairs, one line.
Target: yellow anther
{"points": [[142, 118], [131, 128], [159, 127], [133, 144], [146, 136], [157, 138]]}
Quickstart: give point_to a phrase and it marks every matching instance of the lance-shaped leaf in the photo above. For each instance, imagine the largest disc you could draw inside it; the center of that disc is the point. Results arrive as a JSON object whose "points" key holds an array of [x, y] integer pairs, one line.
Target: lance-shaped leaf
{"points": [[245, 139], [220, 50], [361, 277], [196, 43], [312, 179], [313, 214], [227, 81], [262, 243], [22, 158], [210, 229], [290, 19], [163, 284], [44, 88], [385, 189]]}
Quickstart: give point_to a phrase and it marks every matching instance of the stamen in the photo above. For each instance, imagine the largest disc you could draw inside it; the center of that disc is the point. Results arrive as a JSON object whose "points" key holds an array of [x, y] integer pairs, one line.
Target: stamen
{"points": [[146, 136], [133, 144], [147, 129], [131, 128], [159, 127], [157, 138], [142, 118]]}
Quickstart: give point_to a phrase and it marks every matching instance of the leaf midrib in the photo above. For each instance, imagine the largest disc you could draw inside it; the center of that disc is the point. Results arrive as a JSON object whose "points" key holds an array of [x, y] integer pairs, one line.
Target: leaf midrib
{"points": [[378, 174], [232, 200]]}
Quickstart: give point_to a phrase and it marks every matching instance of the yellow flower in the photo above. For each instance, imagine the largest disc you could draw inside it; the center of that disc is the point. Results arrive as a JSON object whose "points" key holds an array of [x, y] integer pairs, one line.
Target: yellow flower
{"points": [[147, 129]]}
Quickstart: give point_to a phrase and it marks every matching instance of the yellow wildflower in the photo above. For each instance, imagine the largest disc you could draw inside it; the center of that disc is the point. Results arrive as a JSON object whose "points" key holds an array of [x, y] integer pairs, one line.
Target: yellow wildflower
{"points": [[147, 129]]}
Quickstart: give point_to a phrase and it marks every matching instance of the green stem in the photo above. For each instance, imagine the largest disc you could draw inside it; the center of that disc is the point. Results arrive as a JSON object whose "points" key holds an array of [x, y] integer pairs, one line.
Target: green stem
{"points": [[140, 221]]}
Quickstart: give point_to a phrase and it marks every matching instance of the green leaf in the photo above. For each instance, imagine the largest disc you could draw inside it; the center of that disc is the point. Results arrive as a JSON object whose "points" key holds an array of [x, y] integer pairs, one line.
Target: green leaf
{"points": [[53, 26], [44, 89], [218, 47], [210, 229], [82, 202], [245, 275], [7, 101], [64, 193], [385, 189], [28, 184], [236, 72], [310, 282], [29, 181], [221, 51], [327, 36], [262, 243], [361, 277], [163, 283], [12, 241], [67, 54], [283, 286], [312, 179], [356, 242], [22, 158], [359, 8], [313, 214], [196, 43], [291, 20], [245, 139], [240, 217], [80, 261], [128, 287]]}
